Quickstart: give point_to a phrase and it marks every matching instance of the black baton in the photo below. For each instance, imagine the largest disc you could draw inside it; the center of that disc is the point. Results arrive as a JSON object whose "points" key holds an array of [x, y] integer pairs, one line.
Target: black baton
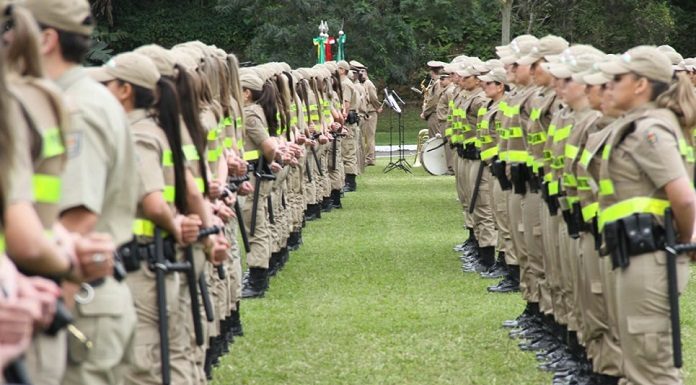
{"points": [[477, 186]]}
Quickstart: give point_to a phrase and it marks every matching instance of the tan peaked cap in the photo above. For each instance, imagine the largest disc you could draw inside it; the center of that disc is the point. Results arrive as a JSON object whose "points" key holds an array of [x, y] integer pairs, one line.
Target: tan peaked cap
{"points": [[129, 67], [250, 80], [647, 61], [497, 74], [65, 15], [164, 60], [549, 45]]}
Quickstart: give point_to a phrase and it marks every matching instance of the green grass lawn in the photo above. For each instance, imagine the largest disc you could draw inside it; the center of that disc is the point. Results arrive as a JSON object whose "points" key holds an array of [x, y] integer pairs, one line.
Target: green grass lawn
{"points": [[376, 296], [412, 124]]}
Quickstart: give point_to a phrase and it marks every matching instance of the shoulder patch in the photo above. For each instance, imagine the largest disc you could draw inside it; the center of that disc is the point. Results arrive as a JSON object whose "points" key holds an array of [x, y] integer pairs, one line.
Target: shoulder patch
{"points": [[73, 144], [651, 137]]}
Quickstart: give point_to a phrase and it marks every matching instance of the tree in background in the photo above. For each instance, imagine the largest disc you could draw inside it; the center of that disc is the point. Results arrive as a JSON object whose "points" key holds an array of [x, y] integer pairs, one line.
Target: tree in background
{"points": [[393, 37]]}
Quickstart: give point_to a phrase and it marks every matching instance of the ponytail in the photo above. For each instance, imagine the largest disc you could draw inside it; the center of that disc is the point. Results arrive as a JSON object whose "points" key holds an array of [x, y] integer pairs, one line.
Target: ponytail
{"points": [[166, 107], [235, 87], [190, 112], [680, 99], [6, 139], [24, 54], [266, 98]]}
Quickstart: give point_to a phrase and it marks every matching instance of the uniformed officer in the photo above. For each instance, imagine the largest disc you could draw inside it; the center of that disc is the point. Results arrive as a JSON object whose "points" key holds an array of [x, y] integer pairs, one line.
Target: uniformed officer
{"points": [[350, 115], [634, 192], [374, 108], [431, 96]]}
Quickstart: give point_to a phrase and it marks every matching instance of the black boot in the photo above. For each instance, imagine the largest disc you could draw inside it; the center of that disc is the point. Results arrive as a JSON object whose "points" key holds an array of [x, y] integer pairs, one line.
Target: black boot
{"points": [[317, 210], [350, 185], [294, 241], [486, 259], [499, 268], [336, 199], [469, 243], [257, 284], [310, 214], [274, 264], [511, 282], [236, 322], [327, 204]]}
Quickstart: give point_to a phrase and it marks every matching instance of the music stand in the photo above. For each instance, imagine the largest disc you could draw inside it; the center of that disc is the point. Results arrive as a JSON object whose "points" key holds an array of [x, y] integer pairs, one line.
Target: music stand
{"points": [[401, 163]]}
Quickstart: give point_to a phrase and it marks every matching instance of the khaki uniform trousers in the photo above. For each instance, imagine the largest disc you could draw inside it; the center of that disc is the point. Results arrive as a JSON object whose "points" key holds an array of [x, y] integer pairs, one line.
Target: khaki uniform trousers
{"points": [[643, 310], [309, 181], [260, 242], [361, 146], [531, 219], [196, 353], [326, 179], [464, 190], [515, 209], [609, 289], [109, 321], [146, 365], [46, 359], [550, 286], [233, 265], [369, 132], [502, 222], [568, 249], [450, 154], [601, 348], [484, 222], [349, 149], [433, 125], [337, 173]]}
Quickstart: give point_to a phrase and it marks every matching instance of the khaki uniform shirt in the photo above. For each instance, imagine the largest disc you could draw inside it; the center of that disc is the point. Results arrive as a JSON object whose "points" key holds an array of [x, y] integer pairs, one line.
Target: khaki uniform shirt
{"points": [[516, 120], [151, 146], [255, 130], [373, 102], [349, 93], [544, 105], [101, 169], [588, 167], [443, 109], [432, 96], [362, 99]]}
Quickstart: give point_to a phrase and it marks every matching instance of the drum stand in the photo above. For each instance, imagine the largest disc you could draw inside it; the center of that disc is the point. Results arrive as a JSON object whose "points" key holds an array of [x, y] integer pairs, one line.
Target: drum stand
{"points": [[400, 163]]}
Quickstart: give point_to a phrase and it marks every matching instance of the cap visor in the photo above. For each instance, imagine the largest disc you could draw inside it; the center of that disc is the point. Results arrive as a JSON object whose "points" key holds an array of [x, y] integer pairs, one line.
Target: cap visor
{"points": [[507, 60], [528, 60], [559, 71], [596, 79], [485, 78], [100, 74], [613, 67]]}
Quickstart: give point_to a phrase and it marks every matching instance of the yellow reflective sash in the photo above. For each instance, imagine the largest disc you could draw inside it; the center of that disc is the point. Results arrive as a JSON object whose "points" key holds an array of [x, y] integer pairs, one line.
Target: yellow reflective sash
{"points": [[606, 187], [535, 114], [512, 111], [515, 132], [190, 152], [562, 133], [46, 188], [571, 152], [52, 143], [167, 158], [637, 205], [489, 153], [553, 187], [169, 193], [143, 228], [585, 159], [536, 138], [517, 156], [251, 155], [590, 211]]}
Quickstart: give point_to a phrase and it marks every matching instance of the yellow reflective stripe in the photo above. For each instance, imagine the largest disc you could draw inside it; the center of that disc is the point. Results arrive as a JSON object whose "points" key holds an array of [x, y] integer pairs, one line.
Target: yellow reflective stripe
{"points": [[294, 120], [562, 133], [227, 143], [293, 107], [482, 111], [686, 151], [46, 188], [52, 143], [199, 184], [503, 155], [558, 162], [238, 121], [530, 160], [606, 152], [548, 177], [483, 125], [503, 133], [167, 158], [227, 121], [637, 205], [145, 228], [553, 187], [448, 131], [536, 138], [515, 132], [535, 114], [606, 187], [190, 152], [489, 153], [569, 180], [503, 106], [590, 211], [585, 159], [552, 130], [584, 183], [212, 134], [240, 144], [2, 243], [571, 152], [169, 193], [517, 156], [485, 139], [466, 128], [470, 140], [213, 155], [548, 156], [251, 155], [572, 200], [512, 111]]}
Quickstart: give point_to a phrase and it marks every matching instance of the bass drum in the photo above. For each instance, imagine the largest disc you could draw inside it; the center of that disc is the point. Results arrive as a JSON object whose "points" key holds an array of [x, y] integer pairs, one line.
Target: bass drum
{"points": [[433, 156]]}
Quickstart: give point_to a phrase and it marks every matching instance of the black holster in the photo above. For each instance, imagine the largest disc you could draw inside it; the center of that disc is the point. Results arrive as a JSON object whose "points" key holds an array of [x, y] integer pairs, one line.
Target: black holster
{"points": [[353, 118], [519, 178], [534, 180], [634, 235], [551, 200], [499, 171]]}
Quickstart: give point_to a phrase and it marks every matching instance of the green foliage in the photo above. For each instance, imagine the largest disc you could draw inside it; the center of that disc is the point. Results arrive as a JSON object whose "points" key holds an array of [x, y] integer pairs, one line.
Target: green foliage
{"points": [[393, 37]]}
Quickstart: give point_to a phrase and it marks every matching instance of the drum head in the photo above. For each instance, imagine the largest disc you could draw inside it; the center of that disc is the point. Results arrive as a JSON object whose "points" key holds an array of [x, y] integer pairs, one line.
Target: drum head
{"points": [[433, 156]]}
